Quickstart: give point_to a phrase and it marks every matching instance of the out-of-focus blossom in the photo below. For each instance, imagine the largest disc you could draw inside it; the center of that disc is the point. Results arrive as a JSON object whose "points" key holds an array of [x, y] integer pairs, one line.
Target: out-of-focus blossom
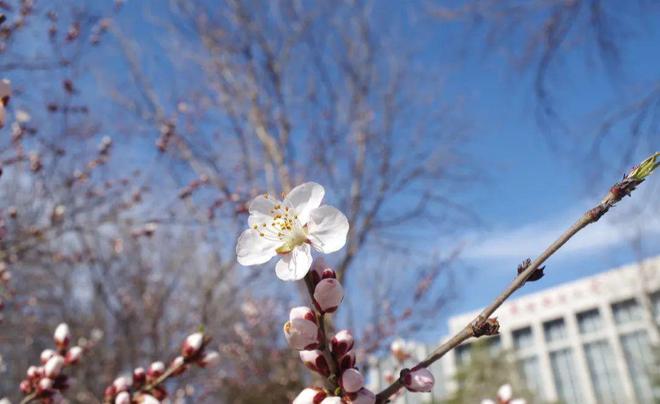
{"points": [[351, 381], [504, 396], [62, 336], [316, 361], [332, 400], [288, 228], [328, 294], [192, 345], [400, 349], [311, 395], [121, 384], [209, 359], [123, 398], [301, 331], [341, 343], [419, 380], [148, 399], [54, 366], [73, 355], [139, 376], [155, 370], [46, 354]]}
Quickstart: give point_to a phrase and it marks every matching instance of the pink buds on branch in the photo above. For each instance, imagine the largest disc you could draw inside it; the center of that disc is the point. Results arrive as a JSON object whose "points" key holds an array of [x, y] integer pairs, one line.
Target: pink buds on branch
{"points": [[47, 381], [351, 381], [341, 343], [311, 395], [147, 387]]}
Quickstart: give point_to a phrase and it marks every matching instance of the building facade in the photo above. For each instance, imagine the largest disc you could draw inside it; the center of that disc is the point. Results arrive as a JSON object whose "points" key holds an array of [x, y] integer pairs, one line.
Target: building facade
{"points": [[587, 341]]}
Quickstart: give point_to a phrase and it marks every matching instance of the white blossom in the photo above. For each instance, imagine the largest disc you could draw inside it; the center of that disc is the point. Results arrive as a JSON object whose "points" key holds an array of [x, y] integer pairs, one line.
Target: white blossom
{"points": [[290, 228]]}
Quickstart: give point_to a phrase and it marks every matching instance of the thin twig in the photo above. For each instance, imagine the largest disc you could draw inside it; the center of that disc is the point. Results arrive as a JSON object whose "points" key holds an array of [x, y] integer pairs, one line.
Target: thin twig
{"points": [[616, 193]]}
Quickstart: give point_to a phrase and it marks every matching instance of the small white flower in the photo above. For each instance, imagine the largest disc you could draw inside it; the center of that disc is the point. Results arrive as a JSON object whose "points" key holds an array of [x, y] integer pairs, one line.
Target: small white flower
{"points": [[289, 228]]}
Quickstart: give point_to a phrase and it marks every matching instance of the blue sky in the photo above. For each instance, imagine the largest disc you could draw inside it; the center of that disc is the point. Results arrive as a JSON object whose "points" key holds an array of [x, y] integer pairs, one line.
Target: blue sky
{"points": [[529, 191]]}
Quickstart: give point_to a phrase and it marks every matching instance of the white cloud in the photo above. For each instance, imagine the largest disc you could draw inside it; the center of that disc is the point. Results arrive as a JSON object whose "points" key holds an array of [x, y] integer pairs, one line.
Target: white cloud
{"points": [[616, 229]]}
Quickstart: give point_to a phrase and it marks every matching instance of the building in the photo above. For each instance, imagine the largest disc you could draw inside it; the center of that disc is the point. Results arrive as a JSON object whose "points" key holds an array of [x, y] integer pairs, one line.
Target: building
{"points": [[587, 341]]}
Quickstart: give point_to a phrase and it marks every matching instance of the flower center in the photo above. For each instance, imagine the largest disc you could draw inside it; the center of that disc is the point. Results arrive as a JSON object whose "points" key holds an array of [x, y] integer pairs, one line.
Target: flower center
{"points": [[284, 227]]}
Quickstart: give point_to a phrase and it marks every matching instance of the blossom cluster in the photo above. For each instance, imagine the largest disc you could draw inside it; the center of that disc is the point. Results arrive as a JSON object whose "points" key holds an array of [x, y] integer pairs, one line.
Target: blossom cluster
{"points": [[504, 396], [147, 386], [289, 228], [333, 359], [47, 381]]}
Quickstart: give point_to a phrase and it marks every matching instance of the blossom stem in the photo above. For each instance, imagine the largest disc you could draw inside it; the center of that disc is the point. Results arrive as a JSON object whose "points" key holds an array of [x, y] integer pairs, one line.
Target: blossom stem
{"points": [[29, 398], [616, 193]]}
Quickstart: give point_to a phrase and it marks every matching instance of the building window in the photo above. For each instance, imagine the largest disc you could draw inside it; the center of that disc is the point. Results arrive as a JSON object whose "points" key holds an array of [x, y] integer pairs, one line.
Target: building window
{"points": [[565, 375], [639, 359], [554, 330], [589, 321], [602, 369], [494, 346], [626, 311], [655, 303], [462, 353], [523, 338], [530, 373]]}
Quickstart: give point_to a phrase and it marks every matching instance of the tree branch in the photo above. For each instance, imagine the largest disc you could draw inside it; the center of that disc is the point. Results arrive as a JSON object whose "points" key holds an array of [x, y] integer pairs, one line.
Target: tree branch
{"points": [[475, 327]]}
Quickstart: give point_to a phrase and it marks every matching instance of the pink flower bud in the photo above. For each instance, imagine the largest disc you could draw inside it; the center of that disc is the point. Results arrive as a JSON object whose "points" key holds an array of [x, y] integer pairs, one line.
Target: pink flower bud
{"points": [[316, 361], [121, 384], [363, 396], [54, 366], [139, 376], [328, 294], [123, 398], [109, 392], [316, 270], [25, 387], [62, 336], [156, 369], [32, 372], [209, 359], [73, 355], [192, 345], [46, 354], [347, 361], [351, 381], [420, 380], [45, 384], [332, 400], [341, 343], [301, 331], [311, 395]]}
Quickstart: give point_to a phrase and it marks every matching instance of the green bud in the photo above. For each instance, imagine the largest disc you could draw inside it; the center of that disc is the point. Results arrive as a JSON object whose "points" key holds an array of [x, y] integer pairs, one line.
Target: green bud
{"points": [[646, 167]]}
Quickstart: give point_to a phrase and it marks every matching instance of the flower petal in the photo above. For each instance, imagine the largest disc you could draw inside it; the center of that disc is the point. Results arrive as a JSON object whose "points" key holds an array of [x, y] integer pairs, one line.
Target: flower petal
{"points": [[252, 249], [327, 229], [261, 209], [294, 265], [304, 198]]}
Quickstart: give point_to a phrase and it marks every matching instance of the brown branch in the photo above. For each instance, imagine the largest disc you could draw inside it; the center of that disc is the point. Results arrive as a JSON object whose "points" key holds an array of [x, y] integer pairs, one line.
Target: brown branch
{"points": [[475, 327]]}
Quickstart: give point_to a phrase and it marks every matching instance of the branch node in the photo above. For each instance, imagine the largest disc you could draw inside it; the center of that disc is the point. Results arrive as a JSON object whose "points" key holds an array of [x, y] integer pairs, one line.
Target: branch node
{"points": [[483, 327]]}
